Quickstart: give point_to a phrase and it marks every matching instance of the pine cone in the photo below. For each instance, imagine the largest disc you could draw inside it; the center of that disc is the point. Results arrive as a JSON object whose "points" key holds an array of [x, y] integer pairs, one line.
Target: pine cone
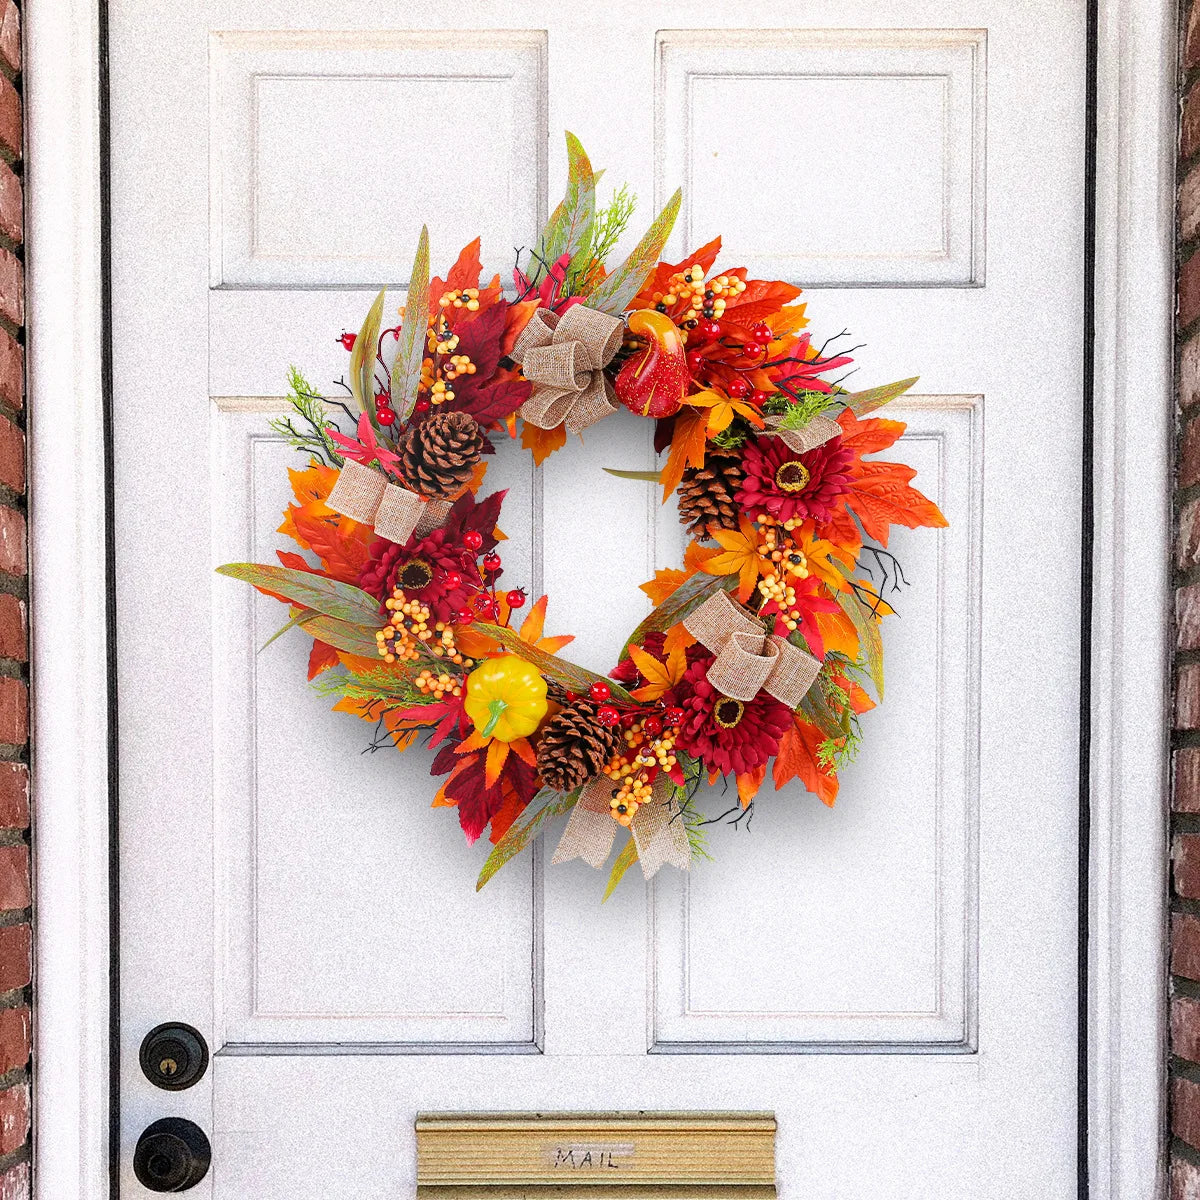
{"points": [[438, 455], [575, 747], [706, 494]]}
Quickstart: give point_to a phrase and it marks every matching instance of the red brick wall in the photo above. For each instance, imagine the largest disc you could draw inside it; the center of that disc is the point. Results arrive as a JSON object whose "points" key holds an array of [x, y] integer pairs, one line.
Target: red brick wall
{"points": [[15, 898], [1184, 1097]]}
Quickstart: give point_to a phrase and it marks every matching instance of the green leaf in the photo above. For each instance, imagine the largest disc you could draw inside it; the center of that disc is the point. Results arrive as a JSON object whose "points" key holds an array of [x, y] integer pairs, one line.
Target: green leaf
{"points": [[362, 359], [564, 232], [618, 289], [625, 860], [343, 635], [687, 597], [861, 403], [800, 414], [303, 616], [343, 601], [521, 832], [816, 708], [648, 476], [577, 679], [869, 637], [410, 351]]}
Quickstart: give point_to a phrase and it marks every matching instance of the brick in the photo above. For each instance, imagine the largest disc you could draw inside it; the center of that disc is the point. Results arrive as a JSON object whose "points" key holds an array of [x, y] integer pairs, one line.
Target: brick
{"points": [[12, 370], [1185, 1180], [12, 285], [12, 204], [14, 796], [1185, 1028], [1189, 451], [10, 118], [12, 455], [1189, 205], [1185, 946], [14, 628], [14, 878], [1185, 863], [1187, 540], [1187, 617], [15, 1183], [14, 557], [14, 712], [1185, 1110], [1186, 793], [1187, 697], [1188, 289], [15, 1035], [14, 1117], [1189, 125], [10, 35], [1191, 38], [15, 948]]}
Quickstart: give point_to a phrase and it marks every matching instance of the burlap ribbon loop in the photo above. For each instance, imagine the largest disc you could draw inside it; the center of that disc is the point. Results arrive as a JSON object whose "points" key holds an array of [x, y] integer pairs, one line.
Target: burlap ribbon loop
{"points": [[657, 828], [748, 660], [818, 431], [564, 356], [365, 496]]}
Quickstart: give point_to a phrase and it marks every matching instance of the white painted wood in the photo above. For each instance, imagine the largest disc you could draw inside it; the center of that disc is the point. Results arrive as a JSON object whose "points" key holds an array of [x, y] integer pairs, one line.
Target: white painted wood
{"points": [[890, 189], [67, 534], [1134, 409], [395, 123], [892, 870], [1126, 973]]}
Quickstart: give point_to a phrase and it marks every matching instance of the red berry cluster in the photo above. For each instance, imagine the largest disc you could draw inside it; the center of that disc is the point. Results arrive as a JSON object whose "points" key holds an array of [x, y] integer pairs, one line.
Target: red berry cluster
{"points": [[483, 606], [610, 715]]}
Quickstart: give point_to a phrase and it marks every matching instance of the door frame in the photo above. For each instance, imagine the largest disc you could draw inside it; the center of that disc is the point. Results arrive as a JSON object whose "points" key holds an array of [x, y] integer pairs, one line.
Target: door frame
{"points": [[1127, 676]]}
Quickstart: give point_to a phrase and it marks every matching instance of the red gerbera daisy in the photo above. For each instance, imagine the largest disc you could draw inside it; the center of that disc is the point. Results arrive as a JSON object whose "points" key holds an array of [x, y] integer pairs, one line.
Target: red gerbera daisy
{"points": [[422, 567], [786, 485], [727, 735]]}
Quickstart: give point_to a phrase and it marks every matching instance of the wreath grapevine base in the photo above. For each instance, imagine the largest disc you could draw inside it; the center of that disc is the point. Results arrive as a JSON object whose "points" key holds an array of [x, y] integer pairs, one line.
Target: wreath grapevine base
{"points": [[757, 651]]}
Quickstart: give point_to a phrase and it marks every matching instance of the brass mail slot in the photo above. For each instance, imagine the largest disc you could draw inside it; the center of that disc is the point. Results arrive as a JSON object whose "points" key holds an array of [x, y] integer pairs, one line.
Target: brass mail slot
{"points": [[668, 1156]]}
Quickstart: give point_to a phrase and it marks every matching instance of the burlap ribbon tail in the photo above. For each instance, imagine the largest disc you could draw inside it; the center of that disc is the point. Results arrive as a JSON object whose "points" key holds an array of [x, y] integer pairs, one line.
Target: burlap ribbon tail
{"points": [[564, 356], [657, 828], [365, 496], [748, 660], [818, 431]]}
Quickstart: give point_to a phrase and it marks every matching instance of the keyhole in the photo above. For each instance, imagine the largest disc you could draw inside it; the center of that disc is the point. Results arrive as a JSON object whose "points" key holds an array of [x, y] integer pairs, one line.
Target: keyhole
{"points": [[168, 1067]]}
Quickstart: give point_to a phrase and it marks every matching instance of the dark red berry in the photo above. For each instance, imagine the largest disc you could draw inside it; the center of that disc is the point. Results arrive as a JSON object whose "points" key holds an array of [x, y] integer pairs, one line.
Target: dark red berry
{"points": [[464, 616], [761, 332], [348, 340], [473, 539], [673, 716], [754, 350], [600, 691], [385, 416], [759, 397], [738, 388], [708, 330], [421, 405], [653, 725], [629, 719], [607, 715], [695, 361], [491, 562], [453, 579], [485, 606], [516, 598]]}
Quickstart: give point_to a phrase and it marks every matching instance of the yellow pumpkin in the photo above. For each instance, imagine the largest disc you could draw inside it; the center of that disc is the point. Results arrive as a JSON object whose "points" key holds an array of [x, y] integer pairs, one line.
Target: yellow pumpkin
{"points": [[506, 698]]}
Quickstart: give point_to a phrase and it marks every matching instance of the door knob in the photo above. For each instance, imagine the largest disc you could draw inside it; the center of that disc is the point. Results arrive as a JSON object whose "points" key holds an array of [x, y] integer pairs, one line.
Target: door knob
{"points": [[173, 1056], [172, 1155]]}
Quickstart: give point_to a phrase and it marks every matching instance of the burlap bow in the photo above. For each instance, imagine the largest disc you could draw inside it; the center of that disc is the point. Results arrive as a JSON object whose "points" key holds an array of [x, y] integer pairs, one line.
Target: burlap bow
{"points": [[365, 496], [657, 828], [748, 661], [818, 431], [564, 357]]}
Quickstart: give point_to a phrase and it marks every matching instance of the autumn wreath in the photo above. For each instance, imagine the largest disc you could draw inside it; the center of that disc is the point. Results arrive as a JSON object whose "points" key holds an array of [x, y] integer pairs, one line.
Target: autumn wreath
{"points": [[757, 649]]}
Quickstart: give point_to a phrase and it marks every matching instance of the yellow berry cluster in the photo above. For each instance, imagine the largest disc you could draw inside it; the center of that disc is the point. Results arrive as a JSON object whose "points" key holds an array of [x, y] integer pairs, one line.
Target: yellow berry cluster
{"points": [[467, 298], [629, 770], [408, 626], [686, 288], [776, 546], [459, 364], [440, 338], [438, 686]]}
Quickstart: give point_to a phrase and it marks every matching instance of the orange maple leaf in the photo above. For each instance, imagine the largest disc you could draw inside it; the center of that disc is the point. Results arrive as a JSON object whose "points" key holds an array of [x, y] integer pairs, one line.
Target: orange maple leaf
{"points": [[737, 555], [796, 758], [721, 411], [342, 555], [666, 580], [688, 441], [464, 274], [749, 782], [542, 443], [660, 677]]}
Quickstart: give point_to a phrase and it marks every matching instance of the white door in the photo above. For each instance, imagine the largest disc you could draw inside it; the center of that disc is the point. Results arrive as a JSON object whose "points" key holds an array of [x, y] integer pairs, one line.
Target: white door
{"points": [[895, 977]]}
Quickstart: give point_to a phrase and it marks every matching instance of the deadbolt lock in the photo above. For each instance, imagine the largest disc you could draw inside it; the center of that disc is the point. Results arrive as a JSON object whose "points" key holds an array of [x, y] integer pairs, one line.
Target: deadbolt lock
{"points": [[173, 1056]]}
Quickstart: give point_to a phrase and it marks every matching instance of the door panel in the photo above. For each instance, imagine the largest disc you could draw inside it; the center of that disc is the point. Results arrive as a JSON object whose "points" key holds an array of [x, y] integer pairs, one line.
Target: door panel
{"points": [[893, 977]]}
